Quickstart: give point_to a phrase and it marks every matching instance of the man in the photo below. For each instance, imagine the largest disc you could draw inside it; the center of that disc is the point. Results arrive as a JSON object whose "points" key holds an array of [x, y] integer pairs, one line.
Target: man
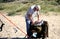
{"points": [[30, 15]]}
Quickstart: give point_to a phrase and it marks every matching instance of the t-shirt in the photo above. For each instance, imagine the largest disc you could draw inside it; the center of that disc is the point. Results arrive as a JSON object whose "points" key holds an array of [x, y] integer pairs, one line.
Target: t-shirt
{"points": [[31, 11]]}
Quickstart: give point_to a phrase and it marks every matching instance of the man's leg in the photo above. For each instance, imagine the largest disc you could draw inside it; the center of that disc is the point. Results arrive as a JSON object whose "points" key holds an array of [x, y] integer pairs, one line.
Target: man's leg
{"points": [[28, 27]]}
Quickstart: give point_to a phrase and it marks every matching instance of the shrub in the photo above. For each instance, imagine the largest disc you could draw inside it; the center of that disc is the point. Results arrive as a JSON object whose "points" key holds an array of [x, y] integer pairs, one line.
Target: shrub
{"points": [[11, 13]]}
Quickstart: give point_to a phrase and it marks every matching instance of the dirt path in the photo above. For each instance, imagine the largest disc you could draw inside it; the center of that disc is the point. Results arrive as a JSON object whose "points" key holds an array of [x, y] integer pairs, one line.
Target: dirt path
{"points": [[9, 29]]}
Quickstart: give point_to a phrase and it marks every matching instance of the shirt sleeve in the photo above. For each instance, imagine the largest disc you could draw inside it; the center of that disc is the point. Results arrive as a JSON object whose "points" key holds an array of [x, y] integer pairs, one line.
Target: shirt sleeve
{"points": [[39, 7], [38, 12], [30, 11]]}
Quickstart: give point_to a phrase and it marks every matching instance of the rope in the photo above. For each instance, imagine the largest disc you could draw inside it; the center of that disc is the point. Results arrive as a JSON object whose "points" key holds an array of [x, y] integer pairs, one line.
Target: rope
{"points": [[13, 24]]}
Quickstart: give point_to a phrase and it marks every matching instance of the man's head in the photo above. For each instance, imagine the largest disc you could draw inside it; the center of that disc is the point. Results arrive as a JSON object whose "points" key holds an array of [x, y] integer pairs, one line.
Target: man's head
{"points": [[36, 8]]}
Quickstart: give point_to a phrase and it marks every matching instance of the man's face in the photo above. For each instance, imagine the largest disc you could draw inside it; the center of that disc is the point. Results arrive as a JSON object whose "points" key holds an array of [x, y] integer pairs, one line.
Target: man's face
{"points": [[36, 9]]}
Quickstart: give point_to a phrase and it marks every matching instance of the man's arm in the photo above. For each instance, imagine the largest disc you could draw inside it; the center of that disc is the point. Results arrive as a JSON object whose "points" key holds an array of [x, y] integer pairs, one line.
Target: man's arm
{"points": [[30, 17], [38, 16]]}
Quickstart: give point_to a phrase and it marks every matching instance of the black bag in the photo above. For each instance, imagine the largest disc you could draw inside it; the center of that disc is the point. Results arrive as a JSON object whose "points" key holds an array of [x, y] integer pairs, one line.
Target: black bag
{"points": [[35, 27]]}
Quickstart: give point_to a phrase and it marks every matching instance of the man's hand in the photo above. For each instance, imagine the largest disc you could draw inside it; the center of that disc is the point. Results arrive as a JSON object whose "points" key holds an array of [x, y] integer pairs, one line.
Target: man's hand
{"points": [[33, 23], [37, 21]]}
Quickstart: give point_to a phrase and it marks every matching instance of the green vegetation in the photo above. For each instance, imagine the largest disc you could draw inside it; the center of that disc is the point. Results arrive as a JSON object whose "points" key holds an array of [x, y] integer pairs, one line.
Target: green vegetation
{"points": [[12, 8]]}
